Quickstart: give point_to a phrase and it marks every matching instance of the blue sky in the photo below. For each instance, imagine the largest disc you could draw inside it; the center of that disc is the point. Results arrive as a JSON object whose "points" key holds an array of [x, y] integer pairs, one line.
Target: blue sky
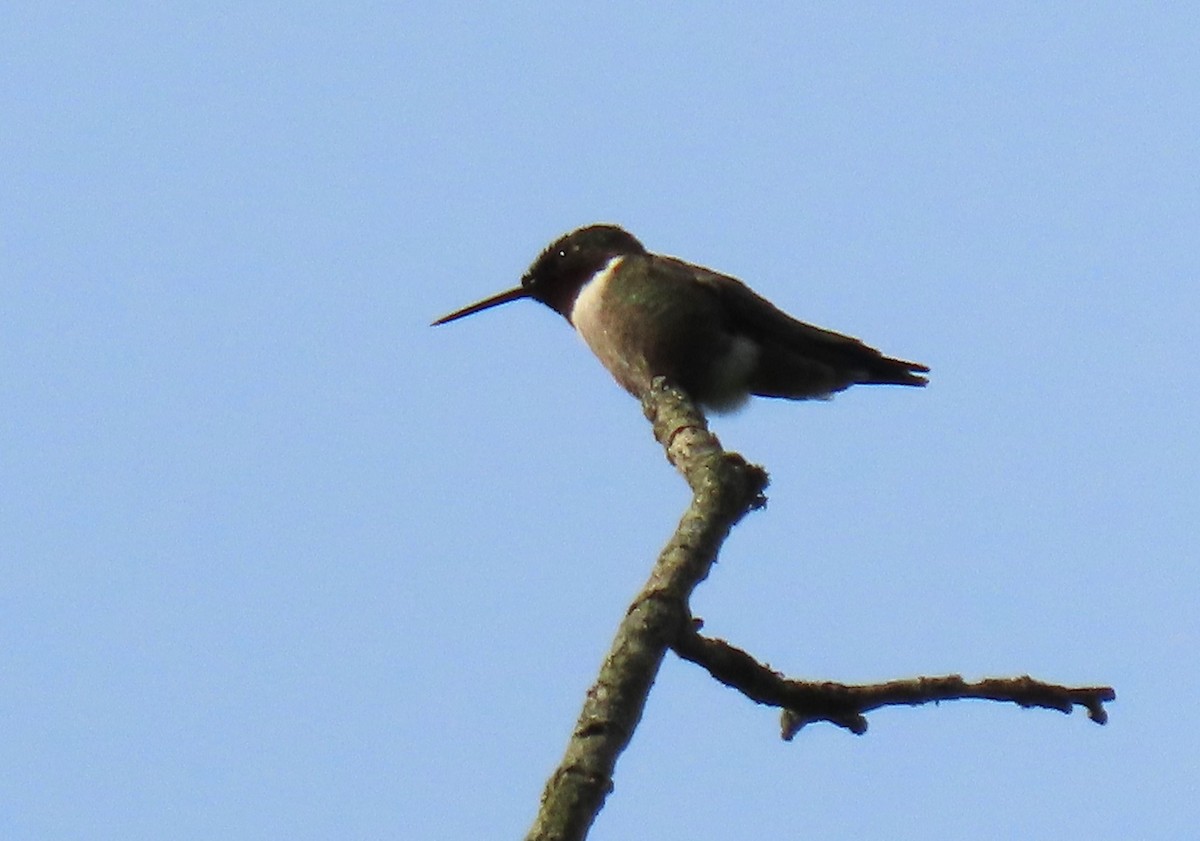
{"points": [[279, 560]]}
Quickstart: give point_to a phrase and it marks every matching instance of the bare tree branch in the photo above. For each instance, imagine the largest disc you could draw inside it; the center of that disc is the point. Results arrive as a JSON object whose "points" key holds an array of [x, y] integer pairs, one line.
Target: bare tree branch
{"points": [[724, 489], [804, 702]]}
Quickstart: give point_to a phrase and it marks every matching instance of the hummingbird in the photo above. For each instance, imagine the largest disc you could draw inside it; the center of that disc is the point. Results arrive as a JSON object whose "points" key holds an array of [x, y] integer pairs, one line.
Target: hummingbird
{"points": [[646, 315]]}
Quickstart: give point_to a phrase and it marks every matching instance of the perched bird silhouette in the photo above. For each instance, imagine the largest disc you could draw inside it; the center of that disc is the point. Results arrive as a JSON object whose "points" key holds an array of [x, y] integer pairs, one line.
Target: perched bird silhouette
{"points": [[646, 315]]}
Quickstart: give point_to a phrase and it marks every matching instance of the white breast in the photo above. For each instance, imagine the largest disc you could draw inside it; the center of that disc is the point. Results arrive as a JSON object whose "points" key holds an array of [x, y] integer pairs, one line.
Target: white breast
{"points": [[585, 312]]}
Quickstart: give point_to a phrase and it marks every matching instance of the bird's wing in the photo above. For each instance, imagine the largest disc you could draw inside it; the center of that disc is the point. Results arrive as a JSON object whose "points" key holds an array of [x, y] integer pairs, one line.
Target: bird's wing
{"points": [[754, 316]]}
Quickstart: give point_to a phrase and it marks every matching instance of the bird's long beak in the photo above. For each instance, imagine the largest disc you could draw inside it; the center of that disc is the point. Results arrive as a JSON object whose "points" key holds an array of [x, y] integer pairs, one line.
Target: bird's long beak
{"points": [[486, 303]]}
